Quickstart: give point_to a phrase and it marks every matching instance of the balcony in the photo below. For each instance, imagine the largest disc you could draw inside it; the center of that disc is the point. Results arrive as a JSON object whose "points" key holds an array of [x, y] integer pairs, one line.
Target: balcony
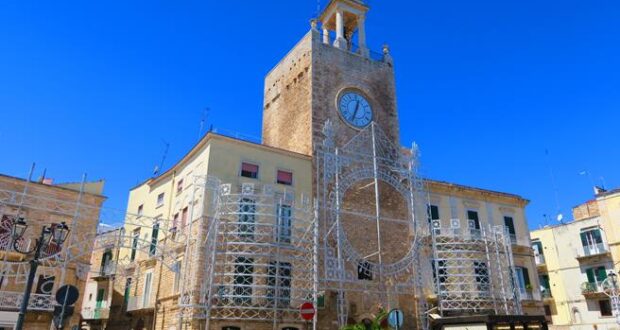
{"points": [[541, 263], [97, 313], [138, 303], [529, 295], [105, 272], [592, 290], [594, 253], [38, 302], [7, 248]]}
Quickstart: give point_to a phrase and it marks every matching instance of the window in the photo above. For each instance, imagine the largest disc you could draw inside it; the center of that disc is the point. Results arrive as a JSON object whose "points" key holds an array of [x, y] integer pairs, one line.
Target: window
{"points": [[596, 275], [364, 271], [249, 170], [127, 290], [474, 229], [247, 218], [243, 280], [320, 300], [177, 276], [510, 225], [481, 272], [146, 297], [154, 234], [231, 328], [45, 284], [544, 285], [140, 210], [432, 212], [134, 243], [180, 186], [100, 295], [605, 307], [175, 222], [284, 228], [285, 177], [523, 279], [184, 214], [592, 241], [539, 255], [160, 199], [279, 283], [106, 262]]}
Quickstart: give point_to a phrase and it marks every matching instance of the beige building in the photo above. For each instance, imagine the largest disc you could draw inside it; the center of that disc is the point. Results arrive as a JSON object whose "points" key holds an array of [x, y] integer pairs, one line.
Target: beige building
{"points": [[41, 204], [574, 260]]}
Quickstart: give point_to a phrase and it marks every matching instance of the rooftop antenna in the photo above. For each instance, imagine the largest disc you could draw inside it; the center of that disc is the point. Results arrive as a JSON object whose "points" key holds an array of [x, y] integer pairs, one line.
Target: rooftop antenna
{"points": [[559, 216], [203, 120], [163, 158]]}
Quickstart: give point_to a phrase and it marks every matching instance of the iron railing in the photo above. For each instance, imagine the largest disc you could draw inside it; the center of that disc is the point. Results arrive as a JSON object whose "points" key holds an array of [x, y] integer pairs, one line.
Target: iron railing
{"points": [[590, 287], [540, 259], [97, 313], [140, 302], [594, 249], [38, 302]]}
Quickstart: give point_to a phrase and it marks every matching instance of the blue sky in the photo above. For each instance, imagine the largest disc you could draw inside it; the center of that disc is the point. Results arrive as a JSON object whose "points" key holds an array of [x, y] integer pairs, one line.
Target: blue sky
{"points": [[485, 87]]}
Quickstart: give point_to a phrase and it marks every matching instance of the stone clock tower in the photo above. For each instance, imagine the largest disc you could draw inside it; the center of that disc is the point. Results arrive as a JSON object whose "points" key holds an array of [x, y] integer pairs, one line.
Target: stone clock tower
{"points": [[327, 76]]}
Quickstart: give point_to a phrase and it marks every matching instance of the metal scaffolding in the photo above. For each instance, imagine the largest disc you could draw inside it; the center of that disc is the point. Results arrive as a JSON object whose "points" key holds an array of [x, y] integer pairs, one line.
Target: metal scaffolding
{"points": [[371, 200], [256, 255], [473, 270]]}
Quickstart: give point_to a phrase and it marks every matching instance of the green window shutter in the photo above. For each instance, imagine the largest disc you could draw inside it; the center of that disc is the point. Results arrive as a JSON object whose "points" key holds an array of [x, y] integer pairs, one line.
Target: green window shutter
{"points": [[596, 235], [590, 274], [584, 240], [601, 274]]}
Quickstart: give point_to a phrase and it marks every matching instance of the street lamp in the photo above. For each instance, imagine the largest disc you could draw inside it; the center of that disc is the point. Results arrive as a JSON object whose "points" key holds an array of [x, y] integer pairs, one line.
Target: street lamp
{"points": [[610, 287], [56, 233]]}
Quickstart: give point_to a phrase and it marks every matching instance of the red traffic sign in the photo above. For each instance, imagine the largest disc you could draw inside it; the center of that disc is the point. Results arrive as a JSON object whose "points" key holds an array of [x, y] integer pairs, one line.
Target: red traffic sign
{"points": [[307, 311]]}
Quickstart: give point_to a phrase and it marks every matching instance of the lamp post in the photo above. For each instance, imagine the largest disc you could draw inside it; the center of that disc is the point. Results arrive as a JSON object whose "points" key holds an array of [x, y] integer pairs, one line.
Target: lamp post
{"points": [[55, 232], [611, 289]]}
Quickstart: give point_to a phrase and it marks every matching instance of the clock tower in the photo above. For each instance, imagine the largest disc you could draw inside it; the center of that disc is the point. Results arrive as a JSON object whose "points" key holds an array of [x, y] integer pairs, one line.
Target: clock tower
{"points": [[330, 74]]}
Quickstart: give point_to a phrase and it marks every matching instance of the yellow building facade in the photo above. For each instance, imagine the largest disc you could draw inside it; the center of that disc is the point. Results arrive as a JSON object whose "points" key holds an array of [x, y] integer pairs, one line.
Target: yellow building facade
{"points": [[574, 260]]}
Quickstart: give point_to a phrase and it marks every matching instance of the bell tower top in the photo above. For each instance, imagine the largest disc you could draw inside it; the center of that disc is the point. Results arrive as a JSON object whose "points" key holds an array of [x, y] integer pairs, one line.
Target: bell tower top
{"points": [[345, 17]]}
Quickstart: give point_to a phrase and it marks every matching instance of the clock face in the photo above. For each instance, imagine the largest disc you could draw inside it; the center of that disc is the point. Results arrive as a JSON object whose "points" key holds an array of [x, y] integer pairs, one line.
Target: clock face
{"points": [[355, 109]]}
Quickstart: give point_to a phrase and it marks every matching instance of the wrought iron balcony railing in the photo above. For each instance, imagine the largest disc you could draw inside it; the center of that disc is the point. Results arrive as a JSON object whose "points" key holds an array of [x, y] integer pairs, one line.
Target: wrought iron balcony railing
{"points": [[595, 249], [540, 259], [38, 302], [140, 302], [589, 288], [97, 313]]}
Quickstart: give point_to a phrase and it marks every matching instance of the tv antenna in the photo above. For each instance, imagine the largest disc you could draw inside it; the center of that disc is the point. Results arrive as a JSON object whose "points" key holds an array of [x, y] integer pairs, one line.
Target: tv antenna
{"points": [[163, 158], [203, 119], [559, 216]]}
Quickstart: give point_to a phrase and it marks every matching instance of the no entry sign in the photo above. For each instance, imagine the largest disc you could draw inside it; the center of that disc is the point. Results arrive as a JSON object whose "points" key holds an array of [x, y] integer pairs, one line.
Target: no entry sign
{"points": [[307, 311]]}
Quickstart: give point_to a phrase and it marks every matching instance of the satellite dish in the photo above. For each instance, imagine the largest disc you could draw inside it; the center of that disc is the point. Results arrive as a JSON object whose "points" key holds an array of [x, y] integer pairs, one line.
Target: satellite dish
{"points": [[560, 217]]}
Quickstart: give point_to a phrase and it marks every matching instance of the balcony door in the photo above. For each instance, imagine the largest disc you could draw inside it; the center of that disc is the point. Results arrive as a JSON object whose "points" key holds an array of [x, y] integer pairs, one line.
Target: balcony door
{"points": [[592, 241], [146, 298]]}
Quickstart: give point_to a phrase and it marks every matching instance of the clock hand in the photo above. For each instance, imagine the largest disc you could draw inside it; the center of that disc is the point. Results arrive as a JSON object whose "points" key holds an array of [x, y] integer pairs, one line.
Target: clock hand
{"points": [[357, 107]]}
